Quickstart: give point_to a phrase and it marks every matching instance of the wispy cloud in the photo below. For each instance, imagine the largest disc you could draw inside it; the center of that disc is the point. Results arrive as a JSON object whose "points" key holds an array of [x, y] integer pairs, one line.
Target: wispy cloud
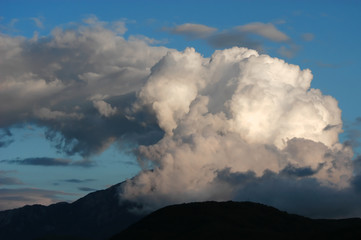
{"points": [[323, 64], [5, 180], [252, 35], [192, 30], [230, 38], [38, 21], [266, 30], [74, 180], [288, 51], [308, 37], [49, 162], [86, 189]]}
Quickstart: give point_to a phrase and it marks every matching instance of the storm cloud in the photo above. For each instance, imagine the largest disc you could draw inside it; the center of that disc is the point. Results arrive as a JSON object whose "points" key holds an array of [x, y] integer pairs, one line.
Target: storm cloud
{"points": [[239, 125]]}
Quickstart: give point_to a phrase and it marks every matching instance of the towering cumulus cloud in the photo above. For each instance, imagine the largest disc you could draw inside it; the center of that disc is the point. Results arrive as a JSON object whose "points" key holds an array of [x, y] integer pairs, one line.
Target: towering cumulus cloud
{"points": [[238, 125], [234, 120]]}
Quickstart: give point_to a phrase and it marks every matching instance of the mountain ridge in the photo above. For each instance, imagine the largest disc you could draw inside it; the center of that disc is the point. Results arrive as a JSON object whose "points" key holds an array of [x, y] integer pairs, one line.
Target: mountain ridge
{"points": [[98, 215], [101, 215], [236, 220]]}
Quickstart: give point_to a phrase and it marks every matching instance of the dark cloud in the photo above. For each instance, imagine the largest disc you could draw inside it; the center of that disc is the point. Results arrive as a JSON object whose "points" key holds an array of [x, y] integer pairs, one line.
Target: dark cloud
{"points": [[305, 196], [294, 171], [5, 137], [49, 162], [79, 83], [73, 180], [86, 189], [329, 127], [94, 132]]}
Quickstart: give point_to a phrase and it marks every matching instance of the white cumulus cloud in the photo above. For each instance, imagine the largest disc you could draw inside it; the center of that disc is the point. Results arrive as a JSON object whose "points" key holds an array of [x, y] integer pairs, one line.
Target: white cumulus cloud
{"points": [[237, 112]]}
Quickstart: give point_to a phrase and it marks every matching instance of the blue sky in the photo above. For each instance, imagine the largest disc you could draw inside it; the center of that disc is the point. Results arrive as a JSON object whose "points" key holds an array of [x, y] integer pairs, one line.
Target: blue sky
{"points": [[323, 36]]}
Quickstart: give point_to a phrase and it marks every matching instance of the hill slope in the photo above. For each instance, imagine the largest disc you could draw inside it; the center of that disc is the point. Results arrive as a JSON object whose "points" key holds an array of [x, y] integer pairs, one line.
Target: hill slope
{"points": [[98, 215], [235, 220]]}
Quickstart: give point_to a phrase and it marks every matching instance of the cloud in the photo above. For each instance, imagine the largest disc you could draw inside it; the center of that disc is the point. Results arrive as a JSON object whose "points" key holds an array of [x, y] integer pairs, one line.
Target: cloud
{"points": [[14, 198], [49, 162], [86, 189], [232, 38], [288, 52], [105, 109], [266, 30], [307, 37], [119, 27], [304, 196], [50, 82], [5, 137], [4, 180], [78, 180], [47, 114], [290, 170], [38, 22], [252, 35], [327, 65], [353, 134], [192, 30], [234, 125], [244, 113]]}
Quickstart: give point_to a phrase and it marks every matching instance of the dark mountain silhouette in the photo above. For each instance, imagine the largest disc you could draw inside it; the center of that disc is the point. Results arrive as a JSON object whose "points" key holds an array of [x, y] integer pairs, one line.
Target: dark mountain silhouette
{"points": [[236, 220], [98, 215]]}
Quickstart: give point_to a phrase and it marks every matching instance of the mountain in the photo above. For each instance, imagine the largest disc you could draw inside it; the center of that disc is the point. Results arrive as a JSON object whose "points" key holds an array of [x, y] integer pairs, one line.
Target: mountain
{"points": [[100, 215], [96, 216], [236, 220]]}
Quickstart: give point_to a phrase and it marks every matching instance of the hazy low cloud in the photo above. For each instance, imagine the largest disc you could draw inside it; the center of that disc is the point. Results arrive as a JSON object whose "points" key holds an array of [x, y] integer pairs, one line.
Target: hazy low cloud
{"points": [[14, 198], [5, 180]]}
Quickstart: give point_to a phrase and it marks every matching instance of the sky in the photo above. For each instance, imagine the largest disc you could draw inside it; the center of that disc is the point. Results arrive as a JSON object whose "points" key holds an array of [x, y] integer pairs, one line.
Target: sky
{"points": [[188, 101]]}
